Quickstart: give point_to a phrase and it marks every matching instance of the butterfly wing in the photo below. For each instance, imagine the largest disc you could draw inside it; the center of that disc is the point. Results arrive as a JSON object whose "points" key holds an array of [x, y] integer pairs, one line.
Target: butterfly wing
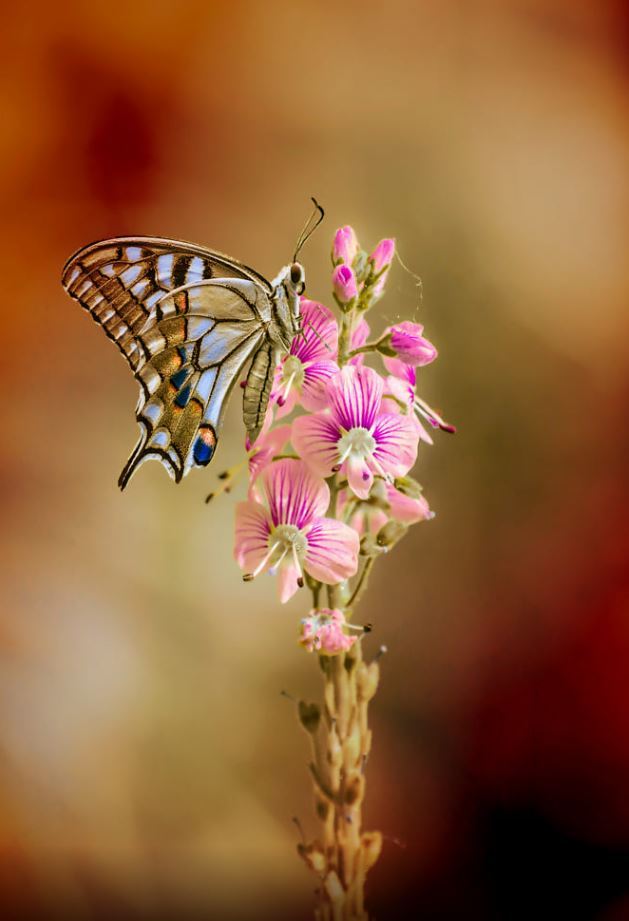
{"points": [[187, 320], [193, 351], [120, 281]]}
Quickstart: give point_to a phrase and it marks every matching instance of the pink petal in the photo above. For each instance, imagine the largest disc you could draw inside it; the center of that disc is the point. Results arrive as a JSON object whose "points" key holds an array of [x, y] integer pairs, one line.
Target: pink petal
{"points": [[252, 534], [287, 405], [359, 476], [287, 581], [406, 509], [397, 439], [265, 449], [294, 494], [355, 395], [401, 369], [376, 519], [332, 553], [401, 391], [314, 390], [315, 438], [332, 640], [319, 338], [422, 432]]}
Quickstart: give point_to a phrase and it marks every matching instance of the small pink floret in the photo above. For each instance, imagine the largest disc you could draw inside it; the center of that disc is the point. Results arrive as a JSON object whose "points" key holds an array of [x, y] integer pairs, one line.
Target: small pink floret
{"points": [[322, 632]]}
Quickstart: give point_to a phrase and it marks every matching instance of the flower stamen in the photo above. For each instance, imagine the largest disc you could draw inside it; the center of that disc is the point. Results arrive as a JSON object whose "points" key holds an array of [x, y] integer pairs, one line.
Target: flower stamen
{"points": [[250, 576], [428, 413]]}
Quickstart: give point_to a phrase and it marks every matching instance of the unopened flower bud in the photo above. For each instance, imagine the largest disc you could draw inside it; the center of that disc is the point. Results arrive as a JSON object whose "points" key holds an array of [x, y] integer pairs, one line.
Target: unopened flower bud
{"points": [[334, 889], [309, 716], [352, 745], [345, 246], [354, 789], [313, 856], [361, 265], [369, 546], [382, 257], [367, 679], [372, 847], [408, 486], [410, 346], [391, 533], [344, 284]]}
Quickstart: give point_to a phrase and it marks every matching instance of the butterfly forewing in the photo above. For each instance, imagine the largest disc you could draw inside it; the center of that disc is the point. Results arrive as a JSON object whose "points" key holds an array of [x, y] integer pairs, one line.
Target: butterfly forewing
{"points": [[187, 320], [120, 281]]}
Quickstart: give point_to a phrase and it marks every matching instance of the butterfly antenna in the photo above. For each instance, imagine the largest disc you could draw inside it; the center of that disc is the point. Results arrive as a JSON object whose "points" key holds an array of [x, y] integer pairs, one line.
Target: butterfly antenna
{"points": [[309, 227]]}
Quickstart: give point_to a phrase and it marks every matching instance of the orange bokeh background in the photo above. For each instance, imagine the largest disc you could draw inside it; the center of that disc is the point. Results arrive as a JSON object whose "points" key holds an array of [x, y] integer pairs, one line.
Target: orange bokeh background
{"points": [[150, 767]]}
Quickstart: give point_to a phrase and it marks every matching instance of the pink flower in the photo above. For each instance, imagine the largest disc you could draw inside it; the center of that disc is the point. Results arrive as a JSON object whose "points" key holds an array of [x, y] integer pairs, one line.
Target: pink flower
{"points": [[289, 534], [311, 361], [409, 344], [403, 508], [267, 445], [322, 631], [408, 375], [345, 246], [344, 283], [407, 509], [382, 257], [355, 435]]}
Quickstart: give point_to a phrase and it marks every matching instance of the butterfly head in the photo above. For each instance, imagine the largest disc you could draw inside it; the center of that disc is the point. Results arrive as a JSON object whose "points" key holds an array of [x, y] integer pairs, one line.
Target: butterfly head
{"points": [[288, 287], [297, 278]]}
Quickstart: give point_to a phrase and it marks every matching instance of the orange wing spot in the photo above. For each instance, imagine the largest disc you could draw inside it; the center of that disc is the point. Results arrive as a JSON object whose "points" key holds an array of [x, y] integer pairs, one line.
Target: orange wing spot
{"points": [[173, 329], [207, 436], [181, 301]]}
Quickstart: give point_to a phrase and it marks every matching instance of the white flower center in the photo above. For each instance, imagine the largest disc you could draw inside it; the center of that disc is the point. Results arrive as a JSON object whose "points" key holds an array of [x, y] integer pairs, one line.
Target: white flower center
{"points": [[293, 371], [288, 536], [285, 540], [358, 442]]}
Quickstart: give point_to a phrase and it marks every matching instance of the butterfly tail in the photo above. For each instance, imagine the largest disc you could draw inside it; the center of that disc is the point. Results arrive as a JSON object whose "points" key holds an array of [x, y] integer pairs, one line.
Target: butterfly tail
{"points": [[170, 414], [133, 463]]}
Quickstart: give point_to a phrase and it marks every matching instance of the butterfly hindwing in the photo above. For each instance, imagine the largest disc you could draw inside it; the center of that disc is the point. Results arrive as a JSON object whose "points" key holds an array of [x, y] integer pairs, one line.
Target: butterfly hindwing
{"points": [[193, 349]]}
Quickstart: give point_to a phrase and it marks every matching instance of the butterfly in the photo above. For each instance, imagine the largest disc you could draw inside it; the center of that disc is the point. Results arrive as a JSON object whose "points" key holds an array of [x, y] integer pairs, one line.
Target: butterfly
{"points": [[188, 320]]}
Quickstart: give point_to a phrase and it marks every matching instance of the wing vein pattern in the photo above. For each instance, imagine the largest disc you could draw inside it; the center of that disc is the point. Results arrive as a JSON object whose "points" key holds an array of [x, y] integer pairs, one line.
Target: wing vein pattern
{"points": [[187, 320]]}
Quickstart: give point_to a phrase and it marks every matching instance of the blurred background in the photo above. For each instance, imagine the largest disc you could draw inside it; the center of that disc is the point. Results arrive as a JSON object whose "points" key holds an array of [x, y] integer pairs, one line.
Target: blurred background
{"points": [[149, 767]]}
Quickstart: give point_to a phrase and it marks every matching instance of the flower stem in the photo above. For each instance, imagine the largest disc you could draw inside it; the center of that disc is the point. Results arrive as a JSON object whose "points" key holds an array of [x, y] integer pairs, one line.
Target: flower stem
{"points": [[361, 584], [369, 346], [342, 853]]}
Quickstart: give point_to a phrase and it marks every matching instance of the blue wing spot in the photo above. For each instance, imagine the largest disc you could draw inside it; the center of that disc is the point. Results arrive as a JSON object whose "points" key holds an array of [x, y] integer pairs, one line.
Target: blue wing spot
{"points": [[204, 446], [182, 397], [182, 352], [178, 379]]}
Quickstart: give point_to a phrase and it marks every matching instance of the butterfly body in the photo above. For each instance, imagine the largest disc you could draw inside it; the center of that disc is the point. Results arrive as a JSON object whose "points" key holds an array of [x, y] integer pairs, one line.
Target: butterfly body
{"points": [[187, 320]]}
